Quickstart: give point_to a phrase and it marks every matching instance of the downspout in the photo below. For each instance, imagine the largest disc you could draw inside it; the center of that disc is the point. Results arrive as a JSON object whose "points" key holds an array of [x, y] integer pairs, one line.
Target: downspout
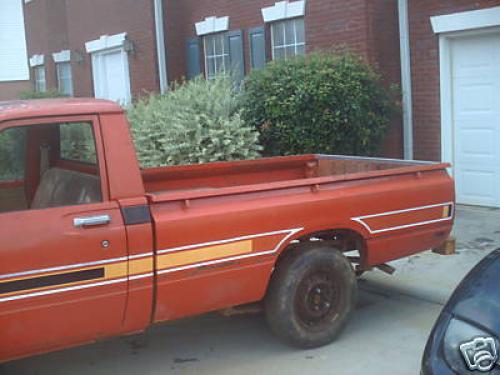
{"points": [[406, 86], [160, 45]]}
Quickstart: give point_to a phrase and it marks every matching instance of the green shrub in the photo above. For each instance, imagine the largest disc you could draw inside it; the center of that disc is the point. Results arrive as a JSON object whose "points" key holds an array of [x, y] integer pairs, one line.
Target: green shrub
{"points": [[77, 142], [51, 93], [198, 121], [320, 103], [12, 154]]}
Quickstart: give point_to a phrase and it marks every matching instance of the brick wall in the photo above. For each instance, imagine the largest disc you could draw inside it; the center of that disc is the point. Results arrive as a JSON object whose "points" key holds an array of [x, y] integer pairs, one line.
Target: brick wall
{"points": [[366, 27], [425, 70], [12, 90], [48, 32], [329, 24], [383, 49], [180, 19]]}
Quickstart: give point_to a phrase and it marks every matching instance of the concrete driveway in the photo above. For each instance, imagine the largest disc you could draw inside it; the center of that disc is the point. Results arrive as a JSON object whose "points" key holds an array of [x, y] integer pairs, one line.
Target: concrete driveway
{"points": [[386, 335]]}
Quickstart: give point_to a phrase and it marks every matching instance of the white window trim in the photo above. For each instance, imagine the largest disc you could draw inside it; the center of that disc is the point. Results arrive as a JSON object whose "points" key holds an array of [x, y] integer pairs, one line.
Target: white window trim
{"points": [[62, 56], [469, 28], [470, 20], [284, 46], [106, 42], [37, 60], [283, 10], [212, 25]]}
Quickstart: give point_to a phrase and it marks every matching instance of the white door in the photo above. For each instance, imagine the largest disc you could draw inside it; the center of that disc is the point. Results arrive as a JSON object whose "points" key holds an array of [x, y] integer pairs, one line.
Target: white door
{"points": [[111, 75], [475, 70]]}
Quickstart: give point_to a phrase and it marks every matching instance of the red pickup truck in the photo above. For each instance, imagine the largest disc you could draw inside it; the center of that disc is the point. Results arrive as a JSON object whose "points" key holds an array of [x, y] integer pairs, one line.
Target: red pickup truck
{"points": [[92, 246]]}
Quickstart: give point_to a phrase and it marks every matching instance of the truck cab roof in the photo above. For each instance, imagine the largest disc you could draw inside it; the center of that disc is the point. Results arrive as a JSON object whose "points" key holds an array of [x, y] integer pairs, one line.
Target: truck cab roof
{"points": [[18, 109]]}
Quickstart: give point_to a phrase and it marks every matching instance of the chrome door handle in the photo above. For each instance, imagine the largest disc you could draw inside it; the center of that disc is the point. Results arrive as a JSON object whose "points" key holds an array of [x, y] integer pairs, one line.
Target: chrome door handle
{"points": [[91, 221]]}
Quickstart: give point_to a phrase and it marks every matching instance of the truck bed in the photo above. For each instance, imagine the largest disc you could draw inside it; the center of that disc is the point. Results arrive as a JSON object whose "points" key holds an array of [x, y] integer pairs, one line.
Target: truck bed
{"points": [[183, 182]]}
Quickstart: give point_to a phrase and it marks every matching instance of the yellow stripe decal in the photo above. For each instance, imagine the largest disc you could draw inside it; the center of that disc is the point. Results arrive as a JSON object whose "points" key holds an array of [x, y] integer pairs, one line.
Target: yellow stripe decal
{"points": [[111, 271], [203, 254], [139, 266]]}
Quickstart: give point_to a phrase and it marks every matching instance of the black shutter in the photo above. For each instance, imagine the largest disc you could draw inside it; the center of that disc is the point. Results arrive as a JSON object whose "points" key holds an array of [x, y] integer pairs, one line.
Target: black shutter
{"points": [[236, 54], [257, 37], [193, 58]]}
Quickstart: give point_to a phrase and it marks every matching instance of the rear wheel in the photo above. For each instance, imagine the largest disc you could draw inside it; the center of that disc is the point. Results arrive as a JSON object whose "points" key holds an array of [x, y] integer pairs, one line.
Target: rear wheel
{"points": [[311, 295]]}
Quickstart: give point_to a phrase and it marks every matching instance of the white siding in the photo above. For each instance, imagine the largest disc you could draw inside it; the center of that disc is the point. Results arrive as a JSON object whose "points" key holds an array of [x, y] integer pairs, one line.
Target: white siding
{"points": [[13, 55]]}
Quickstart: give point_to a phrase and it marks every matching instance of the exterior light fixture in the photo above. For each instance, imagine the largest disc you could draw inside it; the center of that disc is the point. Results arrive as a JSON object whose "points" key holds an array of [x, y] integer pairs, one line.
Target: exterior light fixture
{"points": [[129, 46], [78, 56]]}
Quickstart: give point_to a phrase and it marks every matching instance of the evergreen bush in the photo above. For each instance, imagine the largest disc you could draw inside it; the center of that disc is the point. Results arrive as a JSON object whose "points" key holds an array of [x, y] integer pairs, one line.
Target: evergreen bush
{"points": [[320, 103]]}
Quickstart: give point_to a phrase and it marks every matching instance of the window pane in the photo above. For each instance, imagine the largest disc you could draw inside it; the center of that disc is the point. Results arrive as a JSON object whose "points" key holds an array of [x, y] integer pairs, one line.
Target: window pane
{"points": [[12, 169], [60, 184], [290, 52], [208, 47], [40, 85], [218, 45], [300, 31], [290, 32], [290, 35], [278, 36], [210, 67], [225, 43], [65, 86], [66, 70], [77, 142], [12, 154], [40, 73], [216, 54], [219, 61], [279, 53], [64, 78]]}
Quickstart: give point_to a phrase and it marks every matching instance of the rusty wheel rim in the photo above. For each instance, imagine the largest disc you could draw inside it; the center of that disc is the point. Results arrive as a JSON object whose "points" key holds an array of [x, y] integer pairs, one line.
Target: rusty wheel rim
{"points": [[317, 299]]}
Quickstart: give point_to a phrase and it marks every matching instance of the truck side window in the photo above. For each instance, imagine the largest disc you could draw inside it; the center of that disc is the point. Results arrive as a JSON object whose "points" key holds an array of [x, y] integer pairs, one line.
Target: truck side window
{"points": [[12, 169], [77, 142], [48, 165], [12, 154]]}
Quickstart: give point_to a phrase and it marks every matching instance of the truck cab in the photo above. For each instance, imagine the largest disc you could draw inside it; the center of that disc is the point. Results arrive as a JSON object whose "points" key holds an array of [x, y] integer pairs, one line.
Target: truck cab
{"points": [[66, 234]]}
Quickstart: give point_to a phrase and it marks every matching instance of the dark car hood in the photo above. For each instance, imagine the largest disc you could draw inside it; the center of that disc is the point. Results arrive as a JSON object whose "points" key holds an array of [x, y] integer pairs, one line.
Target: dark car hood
{"points": [[477, 298]]}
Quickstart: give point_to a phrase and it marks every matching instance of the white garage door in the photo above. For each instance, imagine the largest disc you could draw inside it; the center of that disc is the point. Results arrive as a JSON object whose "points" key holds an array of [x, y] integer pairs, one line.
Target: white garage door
{"points": [[111, 75], [475, 69]]}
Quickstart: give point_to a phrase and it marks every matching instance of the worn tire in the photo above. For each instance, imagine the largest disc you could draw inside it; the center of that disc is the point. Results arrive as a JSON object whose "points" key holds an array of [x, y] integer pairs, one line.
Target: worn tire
{"points": [[311, 296]]}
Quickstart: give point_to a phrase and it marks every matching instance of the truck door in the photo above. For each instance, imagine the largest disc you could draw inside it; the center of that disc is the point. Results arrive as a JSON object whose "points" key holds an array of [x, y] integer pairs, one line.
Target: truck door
{"points": [[63, 255]]}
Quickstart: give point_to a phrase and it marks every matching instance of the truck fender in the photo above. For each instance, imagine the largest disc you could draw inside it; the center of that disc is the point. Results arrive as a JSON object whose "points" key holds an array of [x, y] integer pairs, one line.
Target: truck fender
{"points": [[312, 231]]}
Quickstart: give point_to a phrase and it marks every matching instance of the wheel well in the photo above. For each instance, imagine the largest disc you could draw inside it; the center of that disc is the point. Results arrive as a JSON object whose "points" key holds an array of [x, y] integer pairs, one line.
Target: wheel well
{"points": [[348, 241]]}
